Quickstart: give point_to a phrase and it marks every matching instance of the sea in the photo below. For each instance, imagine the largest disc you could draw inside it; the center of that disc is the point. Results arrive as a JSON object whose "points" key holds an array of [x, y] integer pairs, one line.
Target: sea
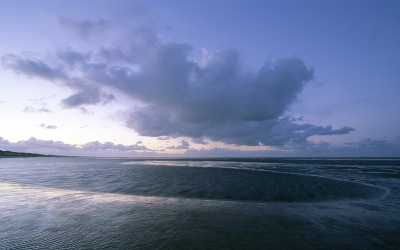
{"points": [[199, 203]]}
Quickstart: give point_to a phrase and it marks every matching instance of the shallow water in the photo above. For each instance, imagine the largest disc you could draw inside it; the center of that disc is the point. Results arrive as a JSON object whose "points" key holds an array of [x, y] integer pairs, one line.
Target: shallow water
{"points": [[278, 203]]}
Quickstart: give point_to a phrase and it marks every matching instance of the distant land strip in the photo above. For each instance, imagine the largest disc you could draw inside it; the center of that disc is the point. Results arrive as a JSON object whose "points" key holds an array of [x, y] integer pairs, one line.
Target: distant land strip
{"points": [[17, 154]]}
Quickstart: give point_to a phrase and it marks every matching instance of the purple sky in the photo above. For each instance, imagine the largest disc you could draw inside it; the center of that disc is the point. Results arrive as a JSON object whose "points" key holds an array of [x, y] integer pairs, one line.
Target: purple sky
{"points": [[200, 78]]}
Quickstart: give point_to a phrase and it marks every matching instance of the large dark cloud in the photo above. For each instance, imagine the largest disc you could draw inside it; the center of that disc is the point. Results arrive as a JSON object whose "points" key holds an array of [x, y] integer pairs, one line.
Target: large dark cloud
{"points": [[216, 99]]}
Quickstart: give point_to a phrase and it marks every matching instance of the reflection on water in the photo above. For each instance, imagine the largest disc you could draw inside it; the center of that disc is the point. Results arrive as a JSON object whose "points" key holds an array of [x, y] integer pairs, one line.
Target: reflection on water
{"points": [[78, 203]]}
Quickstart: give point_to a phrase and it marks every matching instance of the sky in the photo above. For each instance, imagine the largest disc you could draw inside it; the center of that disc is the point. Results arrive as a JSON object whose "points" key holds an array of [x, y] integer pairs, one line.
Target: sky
{"points": [[200, 78]]}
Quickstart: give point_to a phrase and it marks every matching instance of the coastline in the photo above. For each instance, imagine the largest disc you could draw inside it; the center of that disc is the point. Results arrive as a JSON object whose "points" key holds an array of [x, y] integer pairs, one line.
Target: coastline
{"points": [[10, 154]]}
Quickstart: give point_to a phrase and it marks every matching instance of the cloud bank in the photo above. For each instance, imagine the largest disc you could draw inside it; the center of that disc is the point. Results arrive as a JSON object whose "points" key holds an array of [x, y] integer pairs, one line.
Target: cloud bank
{"points": [[214, 98], [93, 146], [96, 148], [363, 148]]}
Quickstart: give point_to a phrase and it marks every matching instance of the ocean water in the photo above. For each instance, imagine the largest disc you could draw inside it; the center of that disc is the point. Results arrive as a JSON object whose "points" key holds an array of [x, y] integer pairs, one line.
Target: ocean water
{"points": [[205, 203]]}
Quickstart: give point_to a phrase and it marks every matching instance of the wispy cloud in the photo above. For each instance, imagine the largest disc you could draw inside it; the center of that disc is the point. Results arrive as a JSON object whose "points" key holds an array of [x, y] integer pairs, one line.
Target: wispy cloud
{"points": [[85, 92], [163, 138], [36, 110], [83, 28], [48, 126]]}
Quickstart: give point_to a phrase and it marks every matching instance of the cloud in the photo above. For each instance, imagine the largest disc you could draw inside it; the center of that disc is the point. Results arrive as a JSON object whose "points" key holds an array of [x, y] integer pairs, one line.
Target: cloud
{"points": [[32, 68], [36, 110], [83, 28], [48, 126], [86, 93], [3, 141], [216, 98], [199, 141], [225, 152], [111, 146], [163, 138], [214, 101], [61, 148], [184, 145], [371, 147], [71, 59], [33, 143], [364, 148]]}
